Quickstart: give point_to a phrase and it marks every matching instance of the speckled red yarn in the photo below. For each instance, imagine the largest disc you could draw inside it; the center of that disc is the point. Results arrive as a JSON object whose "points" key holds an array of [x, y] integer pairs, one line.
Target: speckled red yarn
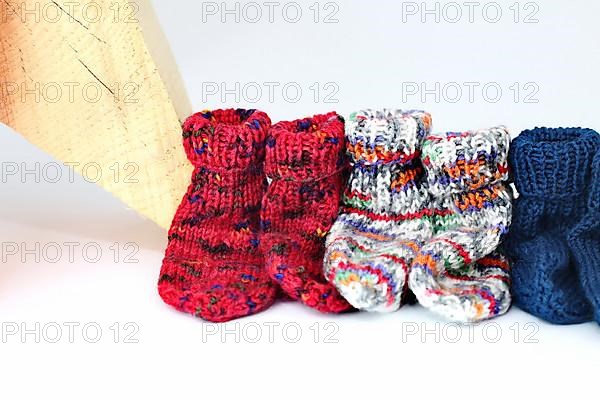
{"points": [[213, 267], [304, 161]]}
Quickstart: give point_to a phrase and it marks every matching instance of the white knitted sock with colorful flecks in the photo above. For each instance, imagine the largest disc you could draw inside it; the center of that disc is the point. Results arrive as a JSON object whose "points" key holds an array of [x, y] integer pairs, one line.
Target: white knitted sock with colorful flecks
{"points": [[458, 272], [384, 218]]}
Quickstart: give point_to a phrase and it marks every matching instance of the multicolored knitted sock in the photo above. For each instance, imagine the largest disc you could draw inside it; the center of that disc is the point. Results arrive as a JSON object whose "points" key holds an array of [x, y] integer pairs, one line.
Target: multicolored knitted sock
{"points": [[304, 161], [466, 173], [584, 241], [552, 170], [384, 217], [212, 266]]}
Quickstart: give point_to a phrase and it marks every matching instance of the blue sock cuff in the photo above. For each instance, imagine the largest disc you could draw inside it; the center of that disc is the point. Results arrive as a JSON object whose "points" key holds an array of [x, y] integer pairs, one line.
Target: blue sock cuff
{"points": [[594, 199], [553, 162]]}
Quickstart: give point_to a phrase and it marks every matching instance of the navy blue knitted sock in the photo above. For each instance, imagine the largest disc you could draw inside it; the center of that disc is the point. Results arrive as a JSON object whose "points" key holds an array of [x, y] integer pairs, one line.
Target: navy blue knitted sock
{"points": [[585, 243], [552, 169], [545, 282]]}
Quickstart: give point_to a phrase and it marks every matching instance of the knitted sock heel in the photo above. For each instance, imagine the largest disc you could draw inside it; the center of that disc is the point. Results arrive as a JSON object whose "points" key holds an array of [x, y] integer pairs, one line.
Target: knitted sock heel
{"points": [[212, 266], [465, 173], [304, 161], [384, 217], [584, 241], [551, 169]]}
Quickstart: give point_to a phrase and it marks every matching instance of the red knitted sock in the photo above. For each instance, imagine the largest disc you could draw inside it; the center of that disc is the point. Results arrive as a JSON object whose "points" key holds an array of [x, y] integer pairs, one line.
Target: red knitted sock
{"points": [[304, 162], [212, 266]]}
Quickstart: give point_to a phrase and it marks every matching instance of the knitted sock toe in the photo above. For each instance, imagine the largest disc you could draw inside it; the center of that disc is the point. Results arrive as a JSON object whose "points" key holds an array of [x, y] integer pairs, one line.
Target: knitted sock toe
{"points": [[215, 292], [212, 266], [305, 160], [483, 289], [552, 173], [465, 173], [384, 216], [584, 241]]}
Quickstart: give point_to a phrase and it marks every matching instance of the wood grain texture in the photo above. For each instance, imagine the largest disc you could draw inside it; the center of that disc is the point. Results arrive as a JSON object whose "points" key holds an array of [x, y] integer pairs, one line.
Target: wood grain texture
{"points": [[78, 81]]}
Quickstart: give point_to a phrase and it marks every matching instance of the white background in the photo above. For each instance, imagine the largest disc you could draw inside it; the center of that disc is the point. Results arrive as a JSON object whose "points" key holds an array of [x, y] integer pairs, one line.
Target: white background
{"points": [[371, 55]]}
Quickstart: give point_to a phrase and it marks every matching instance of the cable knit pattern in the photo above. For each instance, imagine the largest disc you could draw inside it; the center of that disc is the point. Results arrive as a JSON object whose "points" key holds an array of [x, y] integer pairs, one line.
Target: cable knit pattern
{"points": [[212, 266], [554, 237], [465, 174], [305, 160], [384, 218]]}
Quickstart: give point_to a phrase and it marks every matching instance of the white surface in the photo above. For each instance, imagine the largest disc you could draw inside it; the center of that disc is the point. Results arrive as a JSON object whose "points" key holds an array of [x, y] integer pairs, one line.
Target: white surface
{"points": [[368, 55]]}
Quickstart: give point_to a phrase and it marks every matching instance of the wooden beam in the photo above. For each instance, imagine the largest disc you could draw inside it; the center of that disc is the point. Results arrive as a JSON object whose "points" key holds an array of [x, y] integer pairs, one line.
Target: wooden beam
{"points": [[78, 81]]}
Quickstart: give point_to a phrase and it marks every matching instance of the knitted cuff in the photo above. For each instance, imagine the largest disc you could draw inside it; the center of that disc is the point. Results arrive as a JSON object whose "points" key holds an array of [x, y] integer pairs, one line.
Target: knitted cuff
{"points": [[386, 136], [465, 161], [553, 162], [594, 199], [305, 149], [226, 140]]}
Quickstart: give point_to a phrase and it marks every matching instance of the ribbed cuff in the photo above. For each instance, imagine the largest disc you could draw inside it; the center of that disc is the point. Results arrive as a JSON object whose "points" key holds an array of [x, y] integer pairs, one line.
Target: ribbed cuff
{"points": [[553, 162], [386, 136], [306, 149], [231, 139], [594, 199], [465, 161]]}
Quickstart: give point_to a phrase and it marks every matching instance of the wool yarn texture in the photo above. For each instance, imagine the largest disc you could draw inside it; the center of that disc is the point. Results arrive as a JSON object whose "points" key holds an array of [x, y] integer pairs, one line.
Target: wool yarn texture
{"points": [[457, 273], [305, 162], [555, 237], [384, 217], [212, 266], [584, 242]]}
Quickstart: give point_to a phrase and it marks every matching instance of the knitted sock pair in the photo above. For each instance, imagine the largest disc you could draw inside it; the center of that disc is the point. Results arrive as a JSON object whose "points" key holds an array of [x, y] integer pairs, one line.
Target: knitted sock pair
{"points": [[219, 264], [555, 237], [424, 212]]}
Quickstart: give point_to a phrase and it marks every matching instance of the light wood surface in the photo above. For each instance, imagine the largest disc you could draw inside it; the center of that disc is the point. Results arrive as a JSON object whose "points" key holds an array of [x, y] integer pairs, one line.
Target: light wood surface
{"points": [[78, 81]]}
